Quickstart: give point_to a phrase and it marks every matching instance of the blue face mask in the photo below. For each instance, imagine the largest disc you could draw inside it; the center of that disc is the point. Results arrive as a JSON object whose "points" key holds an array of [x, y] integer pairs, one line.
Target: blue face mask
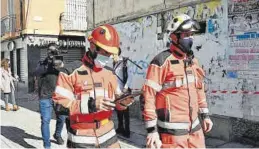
{"points": [[186, 44], [100, 61]]}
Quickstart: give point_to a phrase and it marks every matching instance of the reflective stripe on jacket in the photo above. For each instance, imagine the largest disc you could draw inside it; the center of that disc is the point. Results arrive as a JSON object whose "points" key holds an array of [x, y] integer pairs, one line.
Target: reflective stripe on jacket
{"points": [[173, 95]]}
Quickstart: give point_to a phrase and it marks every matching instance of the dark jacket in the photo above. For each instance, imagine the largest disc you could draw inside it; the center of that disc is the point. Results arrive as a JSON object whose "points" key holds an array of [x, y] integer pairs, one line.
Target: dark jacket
{"points": [[47, 82]]}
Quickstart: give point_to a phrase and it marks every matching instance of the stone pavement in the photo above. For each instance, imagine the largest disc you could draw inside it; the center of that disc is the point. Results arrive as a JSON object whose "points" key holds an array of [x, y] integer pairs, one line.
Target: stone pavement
{"points": [[21, 129]]}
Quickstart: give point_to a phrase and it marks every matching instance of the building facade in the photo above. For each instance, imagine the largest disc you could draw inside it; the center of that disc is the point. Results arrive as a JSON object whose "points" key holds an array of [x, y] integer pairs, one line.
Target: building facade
{"points": [[28, 26]]}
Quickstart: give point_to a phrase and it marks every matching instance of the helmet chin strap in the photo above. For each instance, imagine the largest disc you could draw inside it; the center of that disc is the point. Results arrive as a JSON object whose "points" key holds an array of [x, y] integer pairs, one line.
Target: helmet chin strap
{"points": [[92, 54]]}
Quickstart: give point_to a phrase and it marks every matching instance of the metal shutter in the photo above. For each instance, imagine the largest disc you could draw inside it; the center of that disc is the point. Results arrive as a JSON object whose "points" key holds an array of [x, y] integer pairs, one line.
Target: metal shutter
{"points": [[71, 55]]}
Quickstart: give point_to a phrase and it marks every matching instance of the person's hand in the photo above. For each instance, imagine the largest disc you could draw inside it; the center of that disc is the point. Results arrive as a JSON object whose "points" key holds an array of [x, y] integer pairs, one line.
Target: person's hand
{"points": [[105, 104], [207, 125], [16, 77], [153, 141], [125, 90]]}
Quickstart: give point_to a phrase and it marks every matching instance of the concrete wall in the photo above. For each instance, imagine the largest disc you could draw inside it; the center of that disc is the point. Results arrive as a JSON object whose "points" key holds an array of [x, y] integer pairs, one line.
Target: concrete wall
{"points": [[121, 10], [110, 9]]}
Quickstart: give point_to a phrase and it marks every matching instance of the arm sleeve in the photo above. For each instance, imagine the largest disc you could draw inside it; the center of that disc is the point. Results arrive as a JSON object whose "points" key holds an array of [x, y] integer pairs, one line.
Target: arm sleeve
{"points": [[155, 77], [202, 102]]}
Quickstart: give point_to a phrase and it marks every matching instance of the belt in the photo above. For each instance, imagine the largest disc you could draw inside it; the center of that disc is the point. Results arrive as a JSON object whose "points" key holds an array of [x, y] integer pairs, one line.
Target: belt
{"points": [[91, 117], [94, 125]]}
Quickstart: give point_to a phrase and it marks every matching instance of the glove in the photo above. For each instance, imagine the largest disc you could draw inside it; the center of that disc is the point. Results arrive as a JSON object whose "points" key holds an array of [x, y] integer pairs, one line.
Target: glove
{"points": [[153, 140]]}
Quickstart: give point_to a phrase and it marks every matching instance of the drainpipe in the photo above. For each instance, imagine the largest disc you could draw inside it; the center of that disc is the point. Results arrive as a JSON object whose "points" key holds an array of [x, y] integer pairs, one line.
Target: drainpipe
{"points": [[93, 15], [21, 14]]}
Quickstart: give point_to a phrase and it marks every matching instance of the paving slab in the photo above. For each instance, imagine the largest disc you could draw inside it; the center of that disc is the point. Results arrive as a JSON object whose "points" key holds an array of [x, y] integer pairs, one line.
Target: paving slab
{"points": [[213, 142], [235, 145]]}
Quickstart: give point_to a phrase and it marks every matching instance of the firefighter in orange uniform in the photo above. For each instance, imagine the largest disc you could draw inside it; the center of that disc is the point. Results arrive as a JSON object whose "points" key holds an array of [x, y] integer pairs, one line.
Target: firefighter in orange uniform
{"points": [[89, 93], [174, 92]]}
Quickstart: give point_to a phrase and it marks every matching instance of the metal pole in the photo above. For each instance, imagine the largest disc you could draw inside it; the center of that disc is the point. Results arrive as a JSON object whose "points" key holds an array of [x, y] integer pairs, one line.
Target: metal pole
{"points": [[133, 62], [93, 15]]}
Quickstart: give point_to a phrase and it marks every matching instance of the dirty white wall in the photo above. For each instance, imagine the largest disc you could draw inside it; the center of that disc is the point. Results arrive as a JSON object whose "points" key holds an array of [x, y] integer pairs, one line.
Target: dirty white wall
{"points": [[138, 41], [214, 50], [101, 11]]}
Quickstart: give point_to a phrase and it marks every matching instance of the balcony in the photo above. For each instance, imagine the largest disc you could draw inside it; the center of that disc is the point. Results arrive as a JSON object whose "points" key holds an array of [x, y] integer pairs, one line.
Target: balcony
{"points": [[8, 25], [70, 22]]}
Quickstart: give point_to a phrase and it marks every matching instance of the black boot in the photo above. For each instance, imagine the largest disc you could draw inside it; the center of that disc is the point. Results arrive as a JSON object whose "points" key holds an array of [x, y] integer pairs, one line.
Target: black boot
{"points": [[59, 139], [127, 123], [126, 134], [120, 130]]}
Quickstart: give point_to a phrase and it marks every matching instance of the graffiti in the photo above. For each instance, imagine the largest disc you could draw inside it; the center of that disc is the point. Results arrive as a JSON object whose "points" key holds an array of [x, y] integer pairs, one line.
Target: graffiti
{"points": [[212, 9], [168, 16], [232, 74], [198, 47], [199, 12], [131, 30], [147, 22], [190, 11], [140, 72], [215, 27], [217, 66]]}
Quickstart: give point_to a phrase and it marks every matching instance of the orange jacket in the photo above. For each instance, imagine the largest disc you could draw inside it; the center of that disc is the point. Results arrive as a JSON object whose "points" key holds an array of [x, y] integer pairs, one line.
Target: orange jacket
{"points": [[89, 128], [76, 92], [171, 105]]}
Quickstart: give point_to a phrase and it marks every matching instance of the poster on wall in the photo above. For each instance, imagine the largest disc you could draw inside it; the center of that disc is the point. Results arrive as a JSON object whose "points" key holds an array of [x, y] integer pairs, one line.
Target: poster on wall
{"points": [[243, 30]]}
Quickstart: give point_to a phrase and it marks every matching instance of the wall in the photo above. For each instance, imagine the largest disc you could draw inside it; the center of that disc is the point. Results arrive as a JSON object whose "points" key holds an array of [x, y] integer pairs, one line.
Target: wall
{"points": [[214, 50], [138, 41], [42, 17], [123, 10], [4, 6]]}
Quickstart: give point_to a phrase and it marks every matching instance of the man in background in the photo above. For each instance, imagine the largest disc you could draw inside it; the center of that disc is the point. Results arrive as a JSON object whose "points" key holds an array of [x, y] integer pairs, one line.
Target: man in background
{"points": [[124, 80], [47, 73]]}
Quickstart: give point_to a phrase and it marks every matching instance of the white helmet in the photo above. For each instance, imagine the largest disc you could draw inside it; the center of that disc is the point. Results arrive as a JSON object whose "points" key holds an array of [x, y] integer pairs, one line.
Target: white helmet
{"points": [[182, 23]]}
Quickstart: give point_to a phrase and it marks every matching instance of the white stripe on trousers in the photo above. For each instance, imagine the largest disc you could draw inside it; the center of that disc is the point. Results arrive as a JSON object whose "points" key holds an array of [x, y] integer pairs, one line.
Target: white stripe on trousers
{"points": [[91, 140]]}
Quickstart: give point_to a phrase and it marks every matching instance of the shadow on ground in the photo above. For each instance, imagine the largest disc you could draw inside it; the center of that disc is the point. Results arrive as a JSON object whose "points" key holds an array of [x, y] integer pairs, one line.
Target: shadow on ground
{"points": [[19, 137]]}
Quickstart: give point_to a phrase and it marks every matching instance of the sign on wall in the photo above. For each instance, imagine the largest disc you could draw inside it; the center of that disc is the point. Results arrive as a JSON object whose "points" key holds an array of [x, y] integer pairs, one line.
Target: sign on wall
{"points": [[243, 32]]}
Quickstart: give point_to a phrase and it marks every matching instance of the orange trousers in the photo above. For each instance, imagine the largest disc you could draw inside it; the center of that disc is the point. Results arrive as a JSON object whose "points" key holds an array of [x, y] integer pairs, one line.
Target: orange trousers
{"points": [[194, 140]]}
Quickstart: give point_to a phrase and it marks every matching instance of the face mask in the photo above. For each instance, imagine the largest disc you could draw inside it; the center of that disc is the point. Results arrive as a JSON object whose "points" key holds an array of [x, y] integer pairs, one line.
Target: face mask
{"points": [[100, 61], [186, 44]]}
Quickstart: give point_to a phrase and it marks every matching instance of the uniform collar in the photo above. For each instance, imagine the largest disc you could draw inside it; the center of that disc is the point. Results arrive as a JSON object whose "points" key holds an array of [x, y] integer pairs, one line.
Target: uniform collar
{"points": [[89, 62]]}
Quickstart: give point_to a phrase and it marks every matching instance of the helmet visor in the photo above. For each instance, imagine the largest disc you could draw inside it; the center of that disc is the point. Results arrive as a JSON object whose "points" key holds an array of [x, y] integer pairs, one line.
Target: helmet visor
{"points": [[188, 26]]}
